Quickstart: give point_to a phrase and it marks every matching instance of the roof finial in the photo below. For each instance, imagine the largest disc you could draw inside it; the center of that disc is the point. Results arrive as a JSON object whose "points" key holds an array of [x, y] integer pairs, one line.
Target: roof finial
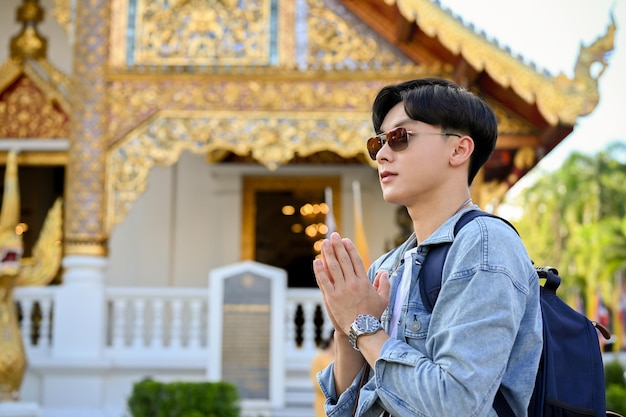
{"points": [[29, 43]]}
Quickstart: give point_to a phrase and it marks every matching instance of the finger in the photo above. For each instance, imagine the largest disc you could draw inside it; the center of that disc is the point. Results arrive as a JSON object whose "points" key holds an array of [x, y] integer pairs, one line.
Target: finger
{"points": [[355, 258], [384, 285], [344, 261], [333, 252], [376, 283], [321, 276], [325, 283], [324, 259]]}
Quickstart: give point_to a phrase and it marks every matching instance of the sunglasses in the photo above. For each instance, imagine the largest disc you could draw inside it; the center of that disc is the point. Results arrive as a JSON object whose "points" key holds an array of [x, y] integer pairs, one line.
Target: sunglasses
{"points": [[397, 139]]}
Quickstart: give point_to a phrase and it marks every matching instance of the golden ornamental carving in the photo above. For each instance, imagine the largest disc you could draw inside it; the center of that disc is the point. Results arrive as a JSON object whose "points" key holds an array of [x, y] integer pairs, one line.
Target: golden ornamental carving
{"points": [[63, 13], [42, 267], [13, 358], [337, 41], [133, 101], [29, 43], [25, 112], [224, 37], [39, 269], [509, 123], [34, 96], [202, 32], [271, 138], [559, 99]]}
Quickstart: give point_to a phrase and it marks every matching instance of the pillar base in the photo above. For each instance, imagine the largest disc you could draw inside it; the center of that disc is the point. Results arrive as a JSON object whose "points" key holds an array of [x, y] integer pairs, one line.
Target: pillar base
{"points": [[19, 409]]}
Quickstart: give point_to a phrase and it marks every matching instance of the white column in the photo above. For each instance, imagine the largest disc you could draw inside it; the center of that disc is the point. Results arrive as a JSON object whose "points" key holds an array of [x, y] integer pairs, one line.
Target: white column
{"points": [[80, 311]]}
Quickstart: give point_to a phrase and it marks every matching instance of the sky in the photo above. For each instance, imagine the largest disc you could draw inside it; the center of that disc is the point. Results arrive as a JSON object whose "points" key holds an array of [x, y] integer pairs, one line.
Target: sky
{"points": [[549, 34]]}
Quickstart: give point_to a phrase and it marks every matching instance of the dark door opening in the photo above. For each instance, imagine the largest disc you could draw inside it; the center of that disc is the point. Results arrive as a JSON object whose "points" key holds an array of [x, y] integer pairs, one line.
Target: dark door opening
{"points": [[289, 219]]}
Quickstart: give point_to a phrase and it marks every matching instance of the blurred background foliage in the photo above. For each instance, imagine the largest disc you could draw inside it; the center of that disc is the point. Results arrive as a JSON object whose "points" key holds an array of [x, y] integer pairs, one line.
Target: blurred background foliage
{"points": [[574, 218]]}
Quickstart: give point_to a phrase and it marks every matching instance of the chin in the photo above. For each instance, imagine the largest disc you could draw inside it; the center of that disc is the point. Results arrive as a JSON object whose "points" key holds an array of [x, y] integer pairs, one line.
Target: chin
{"points": [[390, 197]]}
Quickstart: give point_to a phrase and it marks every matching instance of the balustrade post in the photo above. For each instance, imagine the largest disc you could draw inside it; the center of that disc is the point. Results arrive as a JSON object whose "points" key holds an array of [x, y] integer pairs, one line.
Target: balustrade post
{"points": [[157, 324], [290, 326], [194, 324], [119, 323], [27, 321], [139, 309], [177, 323], [308, 327], [43, 341]]}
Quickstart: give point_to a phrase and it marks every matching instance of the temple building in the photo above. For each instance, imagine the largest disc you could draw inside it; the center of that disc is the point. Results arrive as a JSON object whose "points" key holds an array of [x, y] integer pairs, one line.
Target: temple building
{"points": [[174, 144]]}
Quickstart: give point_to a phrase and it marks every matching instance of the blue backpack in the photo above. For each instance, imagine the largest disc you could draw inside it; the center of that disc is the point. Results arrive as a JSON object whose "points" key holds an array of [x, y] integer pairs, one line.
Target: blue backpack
{"points": [[570, 378]]}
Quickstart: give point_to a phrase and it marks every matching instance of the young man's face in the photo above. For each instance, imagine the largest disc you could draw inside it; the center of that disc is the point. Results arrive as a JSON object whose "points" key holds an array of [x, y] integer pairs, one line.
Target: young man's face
{"points": [[415, 173]]}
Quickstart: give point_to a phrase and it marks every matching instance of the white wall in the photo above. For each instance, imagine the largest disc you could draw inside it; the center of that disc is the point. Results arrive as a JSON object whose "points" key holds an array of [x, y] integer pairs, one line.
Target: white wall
{"points": [[189, 221]]}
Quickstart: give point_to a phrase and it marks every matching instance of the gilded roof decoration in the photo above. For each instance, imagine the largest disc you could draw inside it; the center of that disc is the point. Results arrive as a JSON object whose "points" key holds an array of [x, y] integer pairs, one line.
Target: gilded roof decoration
{"points": [[55, 85], [133, 101], [248, 77], [25, 113], [200, 32], [271, 138], [337, 40], [34, 96], [561, 102], [254, 37]]}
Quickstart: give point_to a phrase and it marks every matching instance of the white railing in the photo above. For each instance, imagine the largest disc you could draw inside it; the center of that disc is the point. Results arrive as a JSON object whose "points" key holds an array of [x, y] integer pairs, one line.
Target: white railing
{"points": [[35, 308], [156, 319], [168, 321]]}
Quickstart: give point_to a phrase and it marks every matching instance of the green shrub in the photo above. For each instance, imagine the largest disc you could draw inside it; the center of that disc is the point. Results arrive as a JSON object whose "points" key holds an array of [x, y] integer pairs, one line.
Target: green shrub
{"points": [[616, 398], [183, 399], [615, 387], [614, 374]]}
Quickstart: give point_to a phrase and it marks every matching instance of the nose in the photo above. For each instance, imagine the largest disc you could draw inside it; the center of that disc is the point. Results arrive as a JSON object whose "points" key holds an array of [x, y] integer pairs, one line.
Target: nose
{"points": [[384, 153]]}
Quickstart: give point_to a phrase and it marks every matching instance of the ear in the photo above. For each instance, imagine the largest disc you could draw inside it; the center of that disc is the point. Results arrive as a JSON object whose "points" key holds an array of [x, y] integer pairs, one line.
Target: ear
{"points": [[462, 151]]}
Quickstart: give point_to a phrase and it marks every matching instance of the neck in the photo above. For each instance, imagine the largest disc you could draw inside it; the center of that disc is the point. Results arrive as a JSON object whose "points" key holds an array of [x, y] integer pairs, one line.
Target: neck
{"points": [[427, 219]]}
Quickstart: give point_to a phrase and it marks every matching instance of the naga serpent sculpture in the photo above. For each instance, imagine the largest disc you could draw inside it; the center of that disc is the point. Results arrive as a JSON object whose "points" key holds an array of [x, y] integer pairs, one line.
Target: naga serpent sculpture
{"points": [[15, 270]]}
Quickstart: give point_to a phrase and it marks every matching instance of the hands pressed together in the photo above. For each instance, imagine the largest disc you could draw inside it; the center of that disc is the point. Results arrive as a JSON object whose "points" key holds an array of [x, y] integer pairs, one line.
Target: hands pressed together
{"points": [[345, 286]]}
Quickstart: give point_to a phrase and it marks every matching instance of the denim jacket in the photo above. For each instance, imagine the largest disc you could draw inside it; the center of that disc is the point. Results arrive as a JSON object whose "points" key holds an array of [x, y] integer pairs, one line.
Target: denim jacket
{"points": [[485, 332]]}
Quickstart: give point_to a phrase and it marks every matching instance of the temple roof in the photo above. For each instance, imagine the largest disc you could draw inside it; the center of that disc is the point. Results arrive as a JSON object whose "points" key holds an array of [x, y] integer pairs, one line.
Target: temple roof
{"points": [[34, 96], [426, 31], [300, 80]]}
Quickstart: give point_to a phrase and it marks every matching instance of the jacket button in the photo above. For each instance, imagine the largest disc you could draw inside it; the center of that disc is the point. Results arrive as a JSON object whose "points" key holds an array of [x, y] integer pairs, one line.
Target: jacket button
{"points": [[415, 326]]}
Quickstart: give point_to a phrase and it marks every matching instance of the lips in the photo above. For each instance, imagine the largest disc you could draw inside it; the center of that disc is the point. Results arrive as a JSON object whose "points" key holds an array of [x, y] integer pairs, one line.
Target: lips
{"points": [[386, 176]]}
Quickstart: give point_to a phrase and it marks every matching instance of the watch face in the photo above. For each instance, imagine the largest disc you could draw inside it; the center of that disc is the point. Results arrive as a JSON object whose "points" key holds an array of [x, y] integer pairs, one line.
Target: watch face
{"points": [[367, 323]]}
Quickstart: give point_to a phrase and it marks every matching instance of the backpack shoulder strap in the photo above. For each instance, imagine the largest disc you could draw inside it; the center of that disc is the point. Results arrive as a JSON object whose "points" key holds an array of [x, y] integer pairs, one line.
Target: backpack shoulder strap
{"points": [[430, 284], [432, 268]]}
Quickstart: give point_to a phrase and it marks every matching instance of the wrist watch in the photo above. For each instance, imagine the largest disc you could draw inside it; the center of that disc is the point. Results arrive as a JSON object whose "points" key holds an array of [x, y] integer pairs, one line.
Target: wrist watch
{"points": [[363, 324]]}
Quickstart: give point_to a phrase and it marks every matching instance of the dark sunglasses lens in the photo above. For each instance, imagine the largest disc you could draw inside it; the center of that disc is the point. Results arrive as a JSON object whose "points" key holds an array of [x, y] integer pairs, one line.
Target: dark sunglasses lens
{"points": [[397, 139], [373, 146]]}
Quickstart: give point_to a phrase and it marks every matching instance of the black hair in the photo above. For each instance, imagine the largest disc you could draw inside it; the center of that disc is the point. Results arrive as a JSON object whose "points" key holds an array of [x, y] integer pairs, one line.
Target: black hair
{"points": [[444, 104]]}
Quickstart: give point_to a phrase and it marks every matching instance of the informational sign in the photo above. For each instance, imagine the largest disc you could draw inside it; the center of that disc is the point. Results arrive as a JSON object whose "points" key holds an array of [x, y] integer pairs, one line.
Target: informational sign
{"points": [[246, 334]]}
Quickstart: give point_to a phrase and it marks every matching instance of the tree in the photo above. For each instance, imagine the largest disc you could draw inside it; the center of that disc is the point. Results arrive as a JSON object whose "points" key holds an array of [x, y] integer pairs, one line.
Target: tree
{"points": [[574, 218]]}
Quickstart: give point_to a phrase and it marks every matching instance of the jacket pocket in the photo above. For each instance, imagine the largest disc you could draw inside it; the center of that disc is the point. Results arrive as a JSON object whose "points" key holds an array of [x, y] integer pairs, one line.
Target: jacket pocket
{"points": [[415, 327]]}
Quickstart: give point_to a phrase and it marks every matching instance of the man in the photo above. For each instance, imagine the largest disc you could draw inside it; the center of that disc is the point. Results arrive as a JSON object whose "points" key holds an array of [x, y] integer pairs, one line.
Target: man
{"points": [[485, 331]]}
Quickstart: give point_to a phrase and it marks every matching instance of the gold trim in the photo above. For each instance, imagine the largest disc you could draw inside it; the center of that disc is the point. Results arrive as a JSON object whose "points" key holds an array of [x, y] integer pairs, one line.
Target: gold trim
{"points": [[164, 74], [264, 183], [118, 33], [559, 99], [85, 248], [27, 158], [10, 71]]}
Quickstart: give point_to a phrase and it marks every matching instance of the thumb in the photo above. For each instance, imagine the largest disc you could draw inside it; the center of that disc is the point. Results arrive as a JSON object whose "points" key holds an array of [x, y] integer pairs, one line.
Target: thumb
{"points": [[384, 285]]}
